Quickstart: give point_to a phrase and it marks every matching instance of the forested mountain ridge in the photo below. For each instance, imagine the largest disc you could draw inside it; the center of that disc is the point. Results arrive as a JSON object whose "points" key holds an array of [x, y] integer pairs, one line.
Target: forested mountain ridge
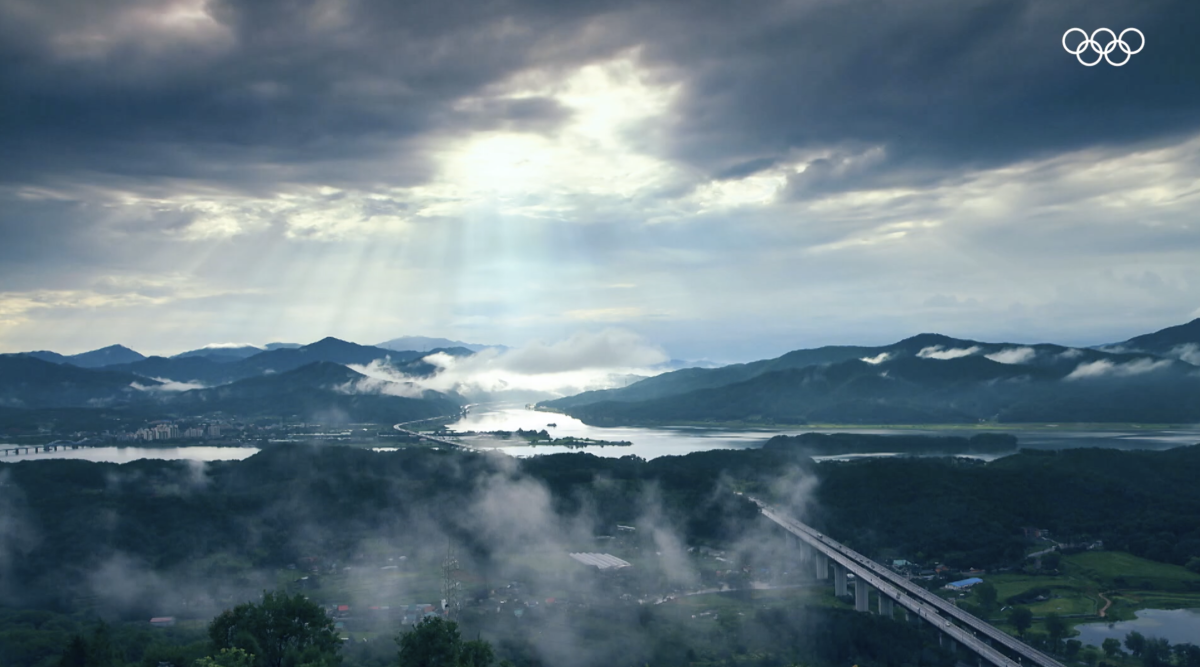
{"points": [[321, 392], [1182, 342], [31, 382], [927, 378]]}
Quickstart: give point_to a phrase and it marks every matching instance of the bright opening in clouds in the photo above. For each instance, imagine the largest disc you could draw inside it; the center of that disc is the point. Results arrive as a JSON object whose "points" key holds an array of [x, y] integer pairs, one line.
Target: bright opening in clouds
{"points": [[582, 362]]}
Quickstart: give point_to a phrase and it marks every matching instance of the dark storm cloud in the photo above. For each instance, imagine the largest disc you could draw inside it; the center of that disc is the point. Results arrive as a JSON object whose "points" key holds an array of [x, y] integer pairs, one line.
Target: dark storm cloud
{"points": [[257, 91], [265, 92], [940, 86]]}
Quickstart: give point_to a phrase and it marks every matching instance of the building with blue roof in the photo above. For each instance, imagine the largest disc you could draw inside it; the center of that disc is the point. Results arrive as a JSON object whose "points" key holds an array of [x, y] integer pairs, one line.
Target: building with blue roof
{"points": [[964, 584]]}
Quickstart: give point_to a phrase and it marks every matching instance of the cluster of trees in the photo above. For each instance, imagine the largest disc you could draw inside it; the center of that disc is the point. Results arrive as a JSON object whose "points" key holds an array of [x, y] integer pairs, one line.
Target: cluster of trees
{"points": [[970, 514], [833, 444], [290, 631], [280, 631], [168, 521], [1155, 651], [165, 516]]}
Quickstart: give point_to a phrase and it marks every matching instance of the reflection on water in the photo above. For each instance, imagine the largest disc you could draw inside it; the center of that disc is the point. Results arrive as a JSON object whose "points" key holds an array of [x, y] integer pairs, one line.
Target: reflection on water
{"points": [[127, 454], [1174, 625], [650, 443]]}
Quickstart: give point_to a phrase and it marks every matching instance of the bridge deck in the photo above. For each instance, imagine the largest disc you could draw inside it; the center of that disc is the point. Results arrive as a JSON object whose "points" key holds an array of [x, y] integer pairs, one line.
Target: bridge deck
{"points": [[926, 604], [432, 438]]}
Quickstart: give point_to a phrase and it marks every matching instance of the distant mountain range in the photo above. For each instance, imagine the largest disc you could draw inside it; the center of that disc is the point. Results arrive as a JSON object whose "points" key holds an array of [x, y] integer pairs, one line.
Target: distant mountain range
{"points": [[321, 392], [105, 356], [925, 379], [311, 382], [31, 382], [221, 365], [928, 378]]}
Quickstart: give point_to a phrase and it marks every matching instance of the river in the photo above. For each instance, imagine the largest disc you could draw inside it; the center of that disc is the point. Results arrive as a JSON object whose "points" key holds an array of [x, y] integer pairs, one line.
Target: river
{"points": [[649, 443], [1174, 625]]}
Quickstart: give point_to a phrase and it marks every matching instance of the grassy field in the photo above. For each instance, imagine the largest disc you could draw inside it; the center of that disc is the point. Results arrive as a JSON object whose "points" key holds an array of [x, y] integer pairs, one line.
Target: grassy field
{"points": [[707, 606], [1117, 570], [1131, 583], [1069, 595]]}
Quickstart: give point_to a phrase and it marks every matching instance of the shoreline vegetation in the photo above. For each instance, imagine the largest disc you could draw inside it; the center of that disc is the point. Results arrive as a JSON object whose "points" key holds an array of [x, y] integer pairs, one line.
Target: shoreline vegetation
{"points": [[523, 438], [769, 426], [834, 444]]}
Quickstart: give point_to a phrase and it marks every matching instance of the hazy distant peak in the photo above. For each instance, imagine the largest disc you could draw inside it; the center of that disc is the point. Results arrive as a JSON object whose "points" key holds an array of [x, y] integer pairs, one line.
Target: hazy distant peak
{"points": [[225, 351], [319, 372], [428, 344], [330, 343], [47, 355], [281, 346], [105, 356]]}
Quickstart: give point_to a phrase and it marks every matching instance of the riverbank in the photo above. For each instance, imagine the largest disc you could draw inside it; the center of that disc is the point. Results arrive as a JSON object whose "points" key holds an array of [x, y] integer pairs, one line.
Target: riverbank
{"points": [[1086, 584]]}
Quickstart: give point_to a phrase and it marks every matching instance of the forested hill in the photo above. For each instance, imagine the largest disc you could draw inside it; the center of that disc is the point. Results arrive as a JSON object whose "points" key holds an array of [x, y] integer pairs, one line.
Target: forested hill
{"points": [[970, 514], [171, 523], [921, 380]]}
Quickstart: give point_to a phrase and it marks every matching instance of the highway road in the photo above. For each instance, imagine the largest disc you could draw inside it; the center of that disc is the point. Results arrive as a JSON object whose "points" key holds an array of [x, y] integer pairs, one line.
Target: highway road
{"points": [[915, 598]]}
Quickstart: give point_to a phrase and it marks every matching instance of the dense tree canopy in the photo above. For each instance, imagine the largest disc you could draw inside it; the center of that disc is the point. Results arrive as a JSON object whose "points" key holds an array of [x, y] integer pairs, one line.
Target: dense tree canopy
{"points": [[435, 642], [281, 631]]}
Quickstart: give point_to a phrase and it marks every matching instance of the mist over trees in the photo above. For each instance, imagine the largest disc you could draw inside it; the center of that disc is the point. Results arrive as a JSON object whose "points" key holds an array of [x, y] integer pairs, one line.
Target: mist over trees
{"points": [[152, 538]]}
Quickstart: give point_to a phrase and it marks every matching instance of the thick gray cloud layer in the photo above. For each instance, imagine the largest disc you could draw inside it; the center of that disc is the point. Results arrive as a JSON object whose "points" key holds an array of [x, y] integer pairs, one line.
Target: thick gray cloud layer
{"points": [[729, 179]]}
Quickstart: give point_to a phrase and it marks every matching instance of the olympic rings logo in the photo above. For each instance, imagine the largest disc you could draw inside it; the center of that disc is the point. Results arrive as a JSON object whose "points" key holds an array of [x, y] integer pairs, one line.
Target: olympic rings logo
{"points": [[1102, 53]]}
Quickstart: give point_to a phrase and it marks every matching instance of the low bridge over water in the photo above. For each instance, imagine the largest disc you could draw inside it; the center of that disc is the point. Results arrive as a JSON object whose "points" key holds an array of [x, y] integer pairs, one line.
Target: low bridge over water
{"points": [[980, 637], [432, 438], [13, 450]]}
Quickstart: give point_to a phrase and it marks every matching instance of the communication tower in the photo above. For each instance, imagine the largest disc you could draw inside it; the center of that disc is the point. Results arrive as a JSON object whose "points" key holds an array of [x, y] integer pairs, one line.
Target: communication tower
{"points": [[450, 585]]}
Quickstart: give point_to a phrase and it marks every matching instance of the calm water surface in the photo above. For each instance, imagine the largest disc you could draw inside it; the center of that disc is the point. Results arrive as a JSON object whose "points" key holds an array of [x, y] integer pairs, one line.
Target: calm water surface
{"points": [[1174, 625], [651, 443], [648, 443]]}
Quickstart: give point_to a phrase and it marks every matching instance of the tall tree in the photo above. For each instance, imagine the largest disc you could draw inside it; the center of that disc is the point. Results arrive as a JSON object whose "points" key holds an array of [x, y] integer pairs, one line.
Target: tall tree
{"points": [[1112, 647], [435, 642], [986, 594], [1021, 619], [76, 653], [1072, 648], [1136, 643], [280, 630], [1056, 628], [1157, 652]]}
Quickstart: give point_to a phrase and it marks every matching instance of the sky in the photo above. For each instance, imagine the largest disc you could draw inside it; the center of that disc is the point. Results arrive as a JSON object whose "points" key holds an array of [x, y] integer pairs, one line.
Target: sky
{"points": [[719, 180]]}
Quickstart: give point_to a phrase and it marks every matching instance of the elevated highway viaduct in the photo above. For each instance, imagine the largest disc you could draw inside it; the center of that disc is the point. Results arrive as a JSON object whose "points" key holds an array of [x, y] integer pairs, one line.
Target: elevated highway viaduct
{"points": [[980, 637]]}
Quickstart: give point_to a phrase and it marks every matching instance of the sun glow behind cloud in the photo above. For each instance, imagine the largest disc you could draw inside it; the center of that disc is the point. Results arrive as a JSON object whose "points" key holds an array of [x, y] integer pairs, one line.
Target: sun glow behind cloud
{"points": [[592, 153], [581, 362]]}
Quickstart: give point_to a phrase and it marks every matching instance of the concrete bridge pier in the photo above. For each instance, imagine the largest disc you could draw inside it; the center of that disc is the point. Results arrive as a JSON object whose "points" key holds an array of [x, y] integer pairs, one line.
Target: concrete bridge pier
{"points": [[822, 563], [886, 606], [839, 580], [861, 592]]}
